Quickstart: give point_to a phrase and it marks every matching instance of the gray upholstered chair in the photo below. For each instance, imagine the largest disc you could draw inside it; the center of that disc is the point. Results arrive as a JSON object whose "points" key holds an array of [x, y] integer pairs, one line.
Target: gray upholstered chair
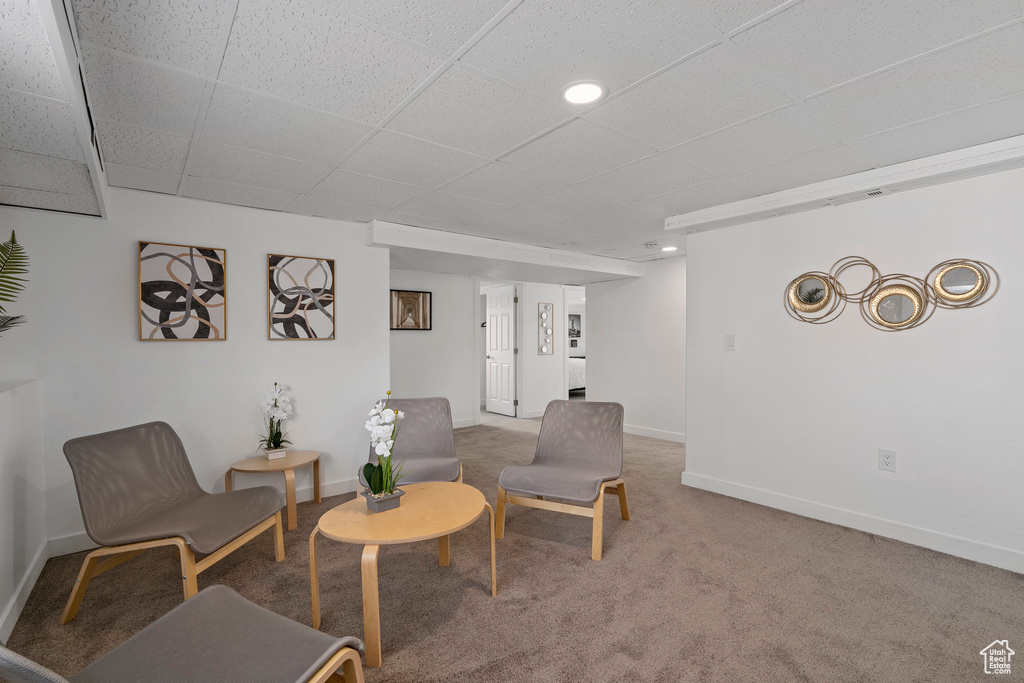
{"points": [[578, 459], [137, 491], [216, 636], [425, 444]]}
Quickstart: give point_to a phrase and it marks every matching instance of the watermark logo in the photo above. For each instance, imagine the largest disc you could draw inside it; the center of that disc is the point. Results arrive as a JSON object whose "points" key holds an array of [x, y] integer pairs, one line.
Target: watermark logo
{"points": [[997, 657]]}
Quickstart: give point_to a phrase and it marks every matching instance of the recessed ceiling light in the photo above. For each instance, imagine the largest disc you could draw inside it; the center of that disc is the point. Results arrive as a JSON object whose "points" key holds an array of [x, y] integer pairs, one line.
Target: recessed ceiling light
{"points": [[669, 248], [583, 92]]}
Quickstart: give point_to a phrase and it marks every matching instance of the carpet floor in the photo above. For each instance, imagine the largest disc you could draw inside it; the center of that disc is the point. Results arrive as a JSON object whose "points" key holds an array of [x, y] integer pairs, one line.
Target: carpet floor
{"points": [[696, 587]]}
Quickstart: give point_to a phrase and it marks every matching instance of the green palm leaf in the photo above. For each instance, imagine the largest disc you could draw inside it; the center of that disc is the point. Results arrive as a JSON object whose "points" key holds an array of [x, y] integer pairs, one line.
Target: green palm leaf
{"points": [[13, 262], [9, 321]]}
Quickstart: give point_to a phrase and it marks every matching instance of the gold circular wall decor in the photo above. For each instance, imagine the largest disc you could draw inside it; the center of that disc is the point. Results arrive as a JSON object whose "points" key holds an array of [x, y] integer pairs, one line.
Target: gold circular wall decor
{"points": [[962, 295], [848, 262], [887, 310], [815, 298]]}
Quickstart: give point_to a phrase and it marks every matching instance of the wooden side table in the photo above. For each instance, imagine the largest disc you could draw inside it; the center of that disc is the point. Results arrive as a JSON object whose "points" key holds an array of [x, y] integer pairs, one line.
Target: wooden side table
{"points": [[287, 464], [429, 510]]}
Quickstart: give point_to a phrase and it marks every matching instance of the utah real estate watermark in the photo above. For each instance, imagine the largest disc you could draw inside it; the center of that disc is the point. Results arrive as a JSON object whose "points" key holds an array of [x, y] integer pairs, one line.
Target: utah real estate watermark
{"points": [[997, 657]]}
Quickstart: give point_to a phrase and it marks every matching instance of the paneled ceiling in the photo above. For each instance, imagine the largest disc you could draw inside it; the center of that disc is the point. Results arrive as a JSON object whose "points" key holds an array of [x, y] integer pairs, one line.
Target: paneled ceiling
{"points": [[447, 114]]}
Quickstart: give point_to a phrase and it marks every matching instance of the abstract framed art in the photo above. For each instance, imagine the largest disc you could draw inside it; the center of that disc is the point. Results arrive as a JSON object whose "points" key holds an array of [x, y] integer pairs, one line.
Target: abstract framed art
{"points": [[182, 293], [410, 310], [300, 298]]}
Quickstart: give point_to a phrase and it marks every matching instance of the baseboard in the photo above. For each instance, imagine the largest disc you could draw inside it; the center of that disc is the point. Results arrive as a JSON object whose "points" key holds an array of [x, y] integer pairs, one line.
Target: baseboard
{"points": [[13, 608], [533, 413], [678, 437], [997, 556], [466, 422], [72, 543], [334, 488]]}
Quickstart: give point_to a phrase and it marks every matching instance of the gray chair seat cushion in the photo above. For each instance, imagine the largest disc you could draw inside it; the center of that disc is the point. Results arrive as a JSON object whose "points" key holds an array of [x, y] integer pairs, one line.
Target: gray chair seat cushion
{"points": [[218, 636], [206, 521], [418, 470], [553, 482]]}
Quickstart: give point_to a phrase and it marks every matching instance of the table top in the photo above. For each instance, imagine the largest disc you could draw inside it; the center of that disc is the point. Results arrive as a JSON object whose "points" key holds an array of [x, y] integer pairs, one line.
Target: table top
{"points": [[291, 460], [427, 510]]}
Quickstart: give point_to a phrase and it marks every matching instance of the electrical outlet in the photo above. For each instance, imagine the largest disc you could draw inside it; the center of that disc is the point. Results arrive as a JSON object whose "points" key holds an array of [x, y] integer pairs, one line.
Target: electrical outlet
{"points": [[887, 459]]}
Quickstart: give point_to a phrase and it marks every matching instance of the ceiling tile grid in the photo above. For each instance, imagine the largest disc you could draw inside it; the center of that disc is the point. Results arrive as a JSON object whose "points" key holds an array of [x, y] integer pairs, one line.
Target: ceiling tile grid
{"points": [[130, 145], [575, 203], [249, 167], [312, 55], [182, 33], [502, 183], [243, 195], [409, 160], [829, 162], [248, 119], [728, 15], [519, 220], [450, 207], [701, 196], [48, 174], [52, 201], [135, 178], [38, 125], [26, 58], [353, 188], [650, 176], [324, 208]]}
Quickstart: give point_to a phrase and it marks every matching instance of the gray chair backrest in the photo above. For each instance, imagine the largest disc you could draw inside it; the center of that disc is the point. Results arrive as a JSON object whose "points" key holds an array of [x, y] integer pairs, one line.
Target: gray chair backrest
{"points": [[17, 669], [128, 473], [426, 431], [582, 434]]}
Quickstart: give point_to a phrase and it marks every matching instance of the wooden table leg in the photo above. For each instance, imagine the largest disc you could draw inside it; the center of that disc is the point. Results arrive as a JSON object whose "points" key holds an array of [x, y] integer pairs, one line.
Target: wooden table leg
{"points": [[314, 578], [494, 572], [316, 480], [371, 606], [289, 492], [227, 480], [444, 555]]}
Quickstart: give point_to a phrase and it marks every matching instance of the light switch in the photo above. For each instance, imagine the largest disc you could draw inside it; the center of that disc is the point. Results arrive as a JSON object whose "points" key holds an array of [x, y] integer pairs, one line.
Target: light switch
{"points": [[730, 341]]}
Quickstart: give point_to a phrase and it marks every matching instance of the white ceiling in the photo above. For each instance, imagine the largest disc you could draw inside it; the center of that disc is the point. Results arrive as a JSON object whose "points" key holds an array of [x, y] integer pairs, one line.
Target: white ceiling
{"points": [[446, 114]]}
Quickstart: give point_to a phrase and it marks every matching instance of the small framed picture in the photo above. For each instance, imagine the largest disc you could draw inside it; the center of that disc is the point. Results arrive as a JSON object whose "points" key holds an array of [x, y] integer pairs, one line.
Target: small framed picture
{"points": [[300, 297], [182, 293], [410, 310]]}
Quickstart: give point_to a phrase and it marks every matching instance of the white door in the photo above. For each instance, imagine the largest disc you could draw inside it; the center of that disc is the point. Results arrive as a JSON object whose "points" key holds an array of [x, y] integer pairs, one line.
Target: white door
{"points": [[501, 351]]}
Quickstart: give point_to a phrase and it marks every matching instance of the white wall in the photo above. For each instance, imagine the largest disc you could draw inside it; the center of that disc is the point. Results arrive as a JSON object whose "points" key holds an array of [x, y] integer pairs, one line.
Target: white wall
{"points": [[795, 416], [22, 510], [636, 348], [541, 379], [97, 376], [441, 361]]}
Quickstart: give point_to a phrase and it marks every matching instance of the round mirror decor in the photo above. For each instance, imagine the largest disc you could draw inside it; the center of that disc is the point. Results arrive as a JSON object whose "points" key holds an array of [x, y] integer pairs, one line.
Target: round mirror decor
{"points": [[889, 302]]}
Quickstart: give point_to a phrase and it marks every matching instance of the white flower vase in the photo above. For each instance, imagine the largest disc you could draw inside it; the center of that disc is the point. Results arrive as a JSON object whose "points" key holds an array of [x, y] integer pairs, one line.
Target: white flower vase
{"points": [[277, 453]]}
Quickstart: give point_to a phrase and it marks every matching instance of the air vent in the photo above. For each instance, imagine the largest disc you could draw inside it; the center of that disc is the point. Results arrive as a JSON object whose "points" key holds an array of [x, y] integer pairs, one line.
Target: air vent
{"points": [[857, 196]]}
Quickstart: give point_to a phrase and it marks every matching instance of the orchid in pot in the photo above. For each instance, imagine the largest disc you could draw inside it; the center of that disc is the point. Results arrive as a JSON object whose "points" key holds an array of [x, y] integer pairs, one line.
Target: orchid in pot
{"points": [[276, 407], [382, 477]]}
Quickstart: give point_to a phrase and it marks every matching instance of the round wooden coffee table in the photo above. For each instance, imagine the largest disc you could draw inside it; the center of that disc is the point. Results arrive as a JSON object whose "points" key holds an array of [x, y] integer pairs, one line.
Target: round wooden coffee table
{"points": [[287, 465], [429, 510]]}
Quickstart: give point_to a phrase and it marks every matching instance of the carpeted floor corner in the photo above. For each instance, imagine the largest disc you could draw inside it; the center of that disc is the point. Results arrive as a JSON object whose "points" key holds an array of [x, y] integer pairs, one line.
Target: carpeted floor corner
{"points": [[696, 587]]}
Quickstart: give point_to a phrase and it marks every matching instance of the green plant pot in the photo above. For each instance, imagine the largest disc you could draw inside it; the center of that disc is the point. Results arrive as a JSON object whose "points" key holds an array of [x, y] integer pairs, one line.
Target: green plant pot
{"points": [[382, 503]]}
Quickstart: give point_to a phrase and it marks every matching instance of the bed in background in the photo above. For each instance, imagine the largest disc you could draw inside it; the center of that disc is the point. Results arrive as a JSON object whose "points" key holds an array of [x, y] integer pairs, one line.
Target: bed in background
{"points": [[577, 373]]}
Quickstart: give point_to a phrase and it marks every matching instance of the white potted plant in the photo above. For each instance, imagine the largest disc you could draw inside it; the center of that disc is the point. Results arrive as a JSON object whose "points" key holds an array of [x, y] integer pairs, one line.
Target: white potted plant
{"points": [[382, 477], [276, 407]]}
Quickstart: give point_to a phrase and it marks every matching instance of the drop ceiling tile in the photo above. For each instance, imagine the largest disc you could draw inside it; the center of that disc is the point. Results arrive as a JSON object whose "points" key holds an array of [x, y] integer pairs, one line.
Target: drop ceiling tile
{"points": [[182, 33], [651, 176], [628, 237], [700, 197], [142, 179], [964, 128], [559, 233], [36, 172], [409, 160], [129, 145], [248, 167], [709, 91], [38, 125], [503, 184], [53, 201], [363, 190], [317, 56], [243, 195], [577, 150], [246, 119], [442, 25], [129, 91], [26, 59], [342, 211], [519, 220], [450, 207], [468, 110], [630, 216], [542, 46], [822, 164], [575, 203], [767, 139], [980, 70], [422, 221], [728, 15], [822, 44]]}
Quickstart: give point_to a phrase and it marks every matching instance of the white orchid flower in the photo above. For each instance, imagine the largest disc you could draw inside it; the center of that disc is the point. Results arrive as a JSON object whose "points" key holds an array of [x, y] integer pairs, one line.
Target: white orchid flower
{"points": [[381, 449], [388, 415], [401, 415]]}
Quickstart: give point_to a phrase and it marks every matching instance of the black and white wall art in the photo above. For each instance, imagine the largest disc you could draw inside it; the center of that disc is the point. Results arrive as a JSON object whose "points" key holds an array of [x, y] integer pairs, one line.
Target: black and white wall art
{"points": [[300, 297], [182, 292]]}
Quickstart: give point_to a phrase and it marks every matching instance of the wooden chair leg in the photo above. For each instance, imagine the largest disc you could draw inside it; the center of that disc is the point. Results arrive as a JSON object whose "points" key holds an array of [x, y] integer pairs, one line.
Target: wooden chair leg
{"points": [[314, 578], [598, 538], [278, 538], [494, 572], [81, 583], [352, 669], [189, 575], [499, 523], [459, 480], [623, 505]]}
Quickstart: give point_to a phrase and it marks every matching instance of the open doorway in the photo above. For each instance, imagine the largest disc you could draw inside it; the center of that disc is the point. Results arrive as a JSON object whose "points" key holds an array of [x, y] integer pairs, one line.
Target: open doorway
{"points": [[499, 376], [576, 342]]}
